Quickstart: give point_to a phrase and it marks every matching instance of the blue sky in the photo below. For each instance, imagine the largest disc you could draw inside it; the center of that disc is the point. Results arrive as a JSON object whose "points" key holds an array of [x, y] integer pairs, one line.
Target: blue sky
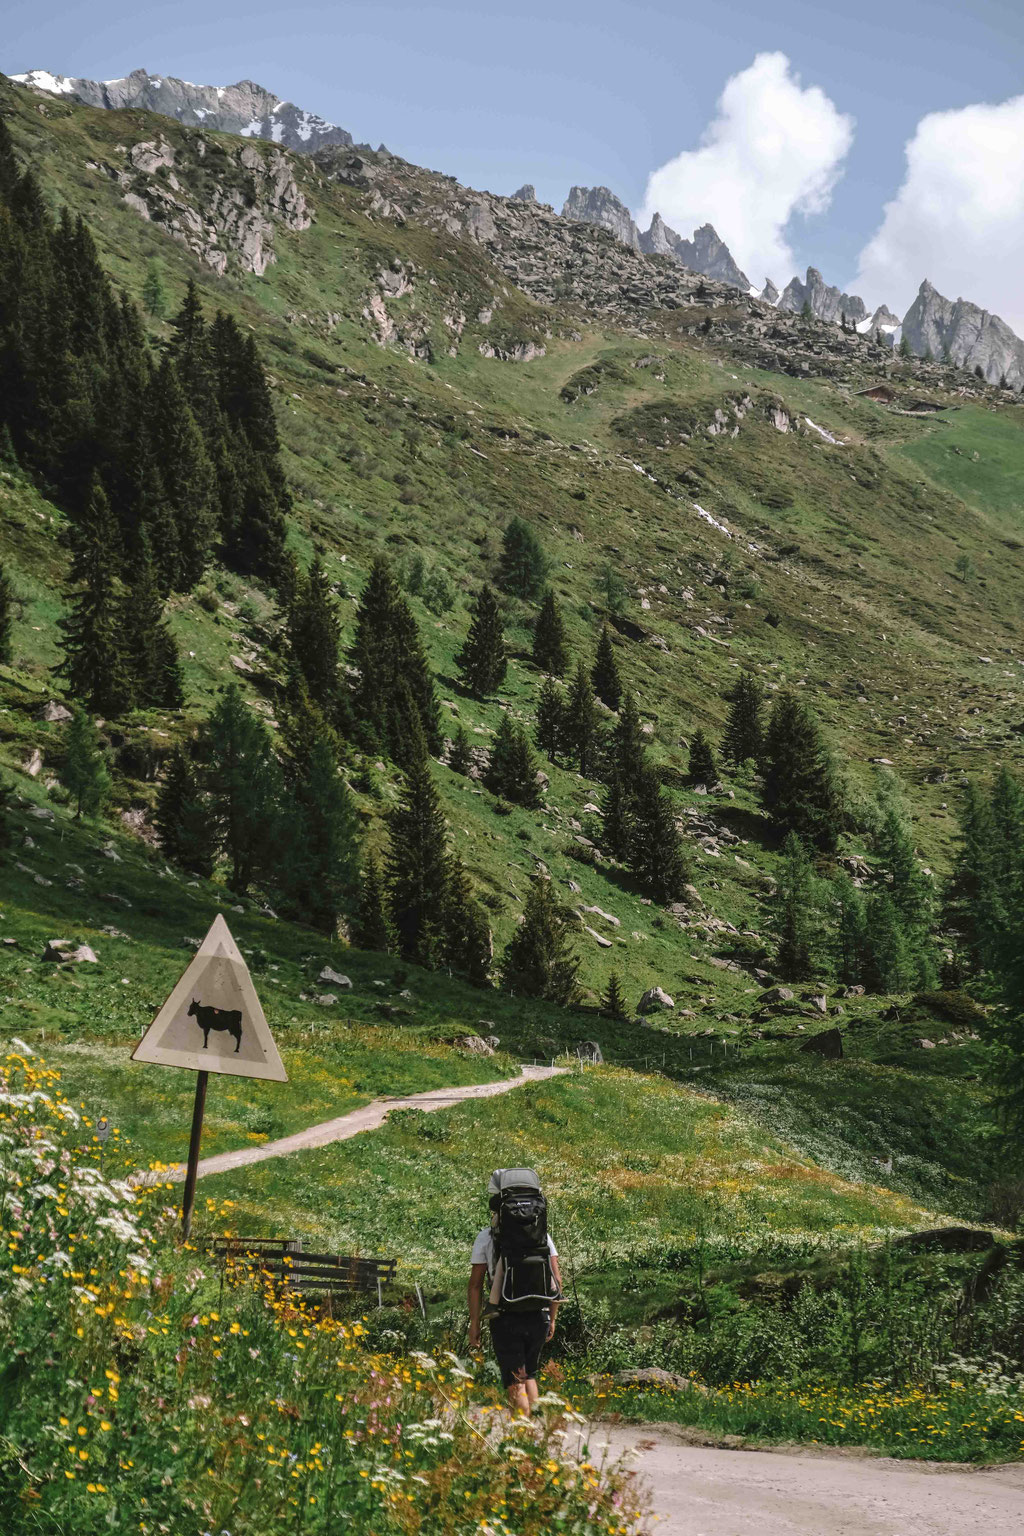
{"points": [[608, 92]]}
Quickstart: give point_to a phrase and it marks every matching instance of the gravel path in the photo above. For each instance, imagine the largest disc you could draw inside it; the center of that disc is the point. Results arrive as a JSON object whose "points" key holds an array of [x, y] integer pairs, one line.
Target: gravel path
{"points": [[343, 1126], [700, 1491]]}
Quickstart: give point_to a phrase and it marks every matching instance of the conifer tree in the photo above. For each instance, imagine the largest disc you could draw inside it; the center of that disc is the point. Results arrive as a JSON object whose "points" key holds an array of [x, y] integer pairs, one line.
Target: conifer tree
{"points": [[6, 615], [151, 654], [605, 672], [467, 937], [628, 747], [183, 817], [849, 941], [84, 772], [613, 1004], [550, 650], [580, 730], [656, 855], [416, 871], [744, 733], [319, 868], [887, 965], [95, 663], [703, 768], [6, 824], [523, 564], [539, 960], [460, 754], [967, 910], [802, 789], [550, 732], [394, 684], [911, 892], [795, 913], [483, 659], [512, 769], [186, 474], [154, 294], [370, 928], [244, 786], [617, 816], [313, 635]]}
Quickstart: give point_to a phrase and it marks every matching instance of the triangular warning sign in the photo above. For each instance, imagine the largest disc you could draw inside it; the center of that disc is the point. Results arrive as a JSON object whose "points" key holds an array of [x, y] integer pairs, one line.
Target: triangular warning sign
{"points": [[212, 1021]]}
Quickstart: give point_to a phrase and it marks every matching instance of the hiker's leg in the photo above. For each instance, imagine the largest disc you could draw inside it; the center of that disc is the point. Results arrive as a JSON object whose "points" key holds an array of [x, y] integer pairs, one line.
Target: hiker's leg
{"points": [[532, 1391], [518, 1397]]}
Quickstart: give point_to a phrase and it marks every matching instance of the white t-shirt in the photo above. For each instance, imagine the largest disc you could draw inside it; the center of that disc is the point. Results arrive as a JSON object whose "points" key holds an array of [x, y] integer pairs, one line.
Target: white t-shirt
{"points": [[484, 1249]]}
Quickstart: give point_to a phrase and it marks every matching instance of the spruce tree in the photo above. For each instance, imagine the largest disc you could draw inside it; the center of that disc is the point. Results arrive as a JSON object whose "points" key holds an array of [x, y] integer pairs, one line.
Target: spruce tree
{"points": [[370, 927], [802, 789], [796, 913], [154, 294], [550, 650], [394, 680], [183, 817], [618, 804], [95, 665], [849, 937], [244, 786], [911, 891], [416, 871], [460, 754], [613, 1004], [550, 732], [512, 769], [314, 631], [6, 820], [967, 898], [319, 869], [744, 732], [467, 937], [887, 965], [6, 615], [539, 960], [151, 654], [483, 659], [580, 728], [703, 768], [605, 673], [628, 746], [656, 855], [523, 564], [186, 474], [84, 772]]}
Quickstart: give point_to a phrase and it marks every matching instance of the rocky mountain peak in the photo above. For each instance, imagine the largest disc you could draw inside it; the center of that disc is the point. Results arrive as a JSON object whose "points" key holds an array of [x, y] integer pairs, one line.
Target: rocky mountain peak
{"points": [[826, 303], [527, 193], [600, 206], [245, 108], [965, 335]]}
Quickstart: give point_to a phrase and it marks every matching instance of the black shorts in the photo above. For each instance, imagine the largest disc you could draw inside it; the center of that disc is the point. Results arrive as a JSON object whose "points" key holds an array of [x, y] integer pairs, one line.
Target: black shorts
{"points": [[518, 1338]]}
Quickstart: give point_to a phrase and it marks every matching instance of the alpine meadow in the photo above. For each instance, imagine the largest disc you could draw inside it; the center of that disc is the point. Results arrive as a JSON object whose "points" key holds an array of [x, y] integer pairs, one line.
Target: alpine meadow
{"points": [[545, 651]]}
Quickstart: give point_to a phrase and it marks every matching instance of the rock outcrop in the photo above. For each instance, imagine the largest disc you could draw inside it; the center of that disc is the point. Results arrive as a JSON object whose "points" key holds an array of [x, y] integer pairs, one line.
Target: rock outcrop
{"points": [[527, 193], [597, 205], [826, 303], [244, 108], [706, 253], [965, 335]]}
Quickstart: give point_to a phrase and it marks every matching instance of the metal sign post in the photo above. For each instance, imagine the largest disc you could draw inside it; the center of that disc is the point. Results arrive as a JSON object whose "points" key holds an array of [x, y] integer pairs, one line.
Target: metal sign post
{"points": [[211, 1022]]}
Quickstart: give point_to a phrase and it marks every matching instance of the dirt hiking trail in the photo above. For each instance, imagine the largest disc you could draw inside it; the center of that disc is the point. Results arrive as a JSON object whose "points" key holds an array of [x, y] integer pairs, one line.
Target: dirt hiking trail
{"points": [[344, 1126], [697, 1490]]}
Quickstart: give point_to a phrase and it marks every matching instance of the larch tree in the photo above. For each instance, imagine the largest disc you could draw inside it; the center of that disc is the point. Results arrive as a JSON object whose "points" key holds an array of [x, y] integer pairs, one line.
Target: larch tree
{"points": [[539, 960]]}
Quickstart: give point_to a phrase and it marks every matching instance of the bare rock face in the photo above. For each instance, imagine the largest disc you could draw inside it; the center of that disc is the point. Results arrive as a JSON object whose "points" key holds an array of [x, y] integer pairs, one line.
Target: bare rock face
{"points": [[706, 253], [598, 205], [244, 108], [968, 336], [826, 303], [527, 193]]}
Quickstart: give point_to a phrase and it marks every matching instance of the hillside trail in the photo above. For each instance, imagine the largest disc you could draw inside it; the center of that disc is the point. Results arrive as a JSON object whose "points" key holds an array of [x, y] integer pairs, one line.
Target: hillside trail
{"points": [[699, 1490], [342, 1127]]}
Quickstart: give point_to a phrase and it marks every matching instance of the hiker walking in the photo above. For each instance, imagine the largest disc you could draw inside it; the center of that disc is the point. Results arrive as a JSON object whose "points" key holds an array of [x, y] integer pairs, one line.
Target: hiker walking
{"points": [[519, 1261]]}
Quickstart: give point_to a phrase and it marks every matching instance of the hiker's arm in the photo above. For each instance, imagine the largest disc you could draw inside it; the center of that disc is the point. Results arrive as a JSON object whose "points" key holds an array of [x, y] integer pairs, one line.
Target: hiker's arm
{"points": [[555, 1304], [475, 1296]]}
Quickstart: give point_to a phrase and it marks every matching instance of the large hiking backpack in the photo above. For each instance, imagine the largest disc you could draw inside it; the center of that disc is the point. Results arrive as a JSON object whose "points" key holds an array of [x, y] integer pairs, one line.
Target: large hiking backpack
{"points": [[527, 1282]]}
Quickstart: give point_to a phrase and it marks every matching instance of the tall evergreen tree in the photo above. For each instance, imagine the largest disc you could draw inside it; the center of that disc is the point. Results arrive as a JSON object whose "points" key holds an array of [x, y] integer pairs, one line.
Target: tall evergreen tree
{"points": [[628, 747], [370, 928], [84, 773], [580, 728], [244, 786], [483, 659], [95, 662], [539, 960], [6, 819], [888, 967], [849, 938], [703, 768], [183, 816], [796, 913], [550, 732], [613, 1004], [6, 615], [319, 869], [512, 769], [151, 654], [460, 755], [802, 789], [416, 874], [154, 294], [911, 891], [550, 649], [656, 855], [605, 672], [394, 681], [744, 731], [967, 910], [467, 937], [618, 806], [186, 474], [523, 564], [314, 631]]}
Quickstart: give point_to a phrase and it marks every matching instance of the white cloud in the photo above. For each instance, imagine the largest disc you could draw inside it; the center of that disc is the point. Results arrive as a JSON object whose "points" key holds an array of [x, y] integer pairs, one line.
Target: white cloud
{"points": [[774, 149], [958, 218]]}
